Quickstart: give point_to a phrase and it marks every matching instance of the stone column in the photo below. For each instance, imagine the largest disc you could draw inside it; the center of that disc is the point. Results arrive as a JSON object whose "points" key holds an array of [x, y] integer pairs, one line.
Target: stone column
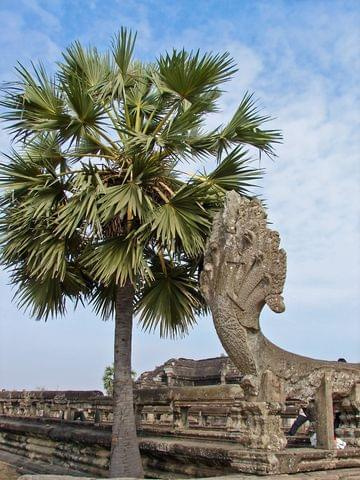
{"points": [[69, 414], [46, 410], [349, 429], [325, 415], [169, 372]]}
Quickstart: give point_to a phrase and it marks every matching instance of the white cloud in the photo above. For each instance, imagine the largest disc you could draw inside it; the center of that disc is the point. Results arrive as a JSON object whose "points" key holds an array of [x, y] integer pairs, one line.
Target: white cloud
{"points": [[20, 42]]}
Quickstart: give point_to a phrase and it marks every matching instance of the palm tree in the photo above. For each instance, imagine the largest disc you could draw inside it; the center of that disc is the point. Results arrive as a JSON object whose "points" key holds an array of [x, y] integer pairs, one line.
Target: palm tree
{"points": [[96, 207], [108, 379]]}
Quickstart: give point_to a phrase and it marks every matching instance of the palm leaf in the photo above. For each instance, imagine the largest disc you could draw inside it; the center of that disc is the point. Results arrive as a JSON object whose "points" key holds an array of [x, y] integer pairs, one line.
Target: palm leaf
{"points": [[88, 65], [244, 127], [115, 261], [170, 301], [190, 74], [232, 173], [182, 218], [87, 116], [20, 174], [123, 48], [124, 199], [34, 104], [103, 299], [46, 298], [81, 209], [46, 149]]}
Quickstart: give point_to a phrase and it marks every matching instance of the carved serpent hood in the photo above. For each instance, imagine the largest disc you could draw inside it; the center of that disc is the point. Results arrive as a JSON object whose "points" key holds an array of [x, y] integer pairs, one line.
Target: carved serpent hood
{"points": [[244, 270]]}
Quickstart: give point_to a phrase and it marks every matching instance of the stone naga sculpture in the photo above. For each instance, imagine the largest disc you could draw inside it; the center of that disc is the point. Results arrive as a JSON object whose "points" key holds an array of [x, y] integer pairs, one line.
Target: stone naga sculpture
{"points": [[244, 270]]}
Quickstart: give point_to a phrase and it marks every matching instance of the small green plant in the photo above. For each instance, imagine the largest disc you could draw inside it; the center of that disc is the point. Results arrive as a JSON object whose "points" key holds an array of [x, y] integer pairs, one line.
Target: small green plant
{"points": [[108, 379]]}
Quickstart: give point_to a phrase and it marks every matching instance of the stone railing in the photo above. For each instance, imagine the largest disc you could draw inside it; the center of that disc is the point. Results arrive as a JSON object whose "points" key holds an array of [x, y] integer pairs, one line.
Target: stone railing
{"points": [[211, 412], [216, 430], [70, 405]]}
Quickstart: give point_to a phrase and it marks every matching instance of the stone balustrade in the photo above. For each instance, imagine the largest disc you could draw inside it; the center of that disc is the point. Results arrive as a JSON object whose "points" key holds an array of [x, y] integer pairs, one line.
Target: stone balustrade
{"points": [[210, 412], [189, 430]]}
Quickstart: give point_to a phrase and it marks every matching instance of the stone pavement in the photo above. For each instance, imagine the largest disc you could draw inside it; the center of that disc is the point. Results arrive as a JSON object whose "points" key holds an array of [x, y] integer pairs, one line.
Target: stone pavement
{"points": [[340, 474]]}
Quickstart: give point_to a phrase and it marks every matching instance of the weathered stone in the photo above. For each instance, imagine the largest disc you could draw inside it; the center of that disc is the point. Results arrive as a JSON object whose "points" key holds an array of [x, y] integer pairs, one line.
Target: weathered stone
{"points": [[67, 477], [325, 415], [244, 270], [185, 372], [271, 388], [343, 474], [86, 449]]}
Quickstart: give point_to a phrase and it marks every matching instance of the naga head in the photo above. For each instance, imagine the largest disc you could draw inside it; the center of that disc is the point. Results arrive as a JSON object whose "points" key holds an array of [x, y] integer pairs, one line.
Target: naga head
{"points": [[244, 268]]}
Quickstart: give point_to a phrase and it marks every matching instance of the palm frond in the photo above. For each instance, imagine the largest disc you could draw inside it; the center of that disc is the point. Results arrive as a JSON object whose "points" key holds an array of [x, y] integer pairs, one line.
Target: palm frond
{"points": [[103, 298], [88, 65], [44, 199], [80, 211], [87, 115], [170, 301], [124, 199], [46, 149], [182, 218], [21, 173], [115, 261], [46, 298], [47, 258], [191, 74], [123, 48], [233, 173], [245, 127], [34, 104]]}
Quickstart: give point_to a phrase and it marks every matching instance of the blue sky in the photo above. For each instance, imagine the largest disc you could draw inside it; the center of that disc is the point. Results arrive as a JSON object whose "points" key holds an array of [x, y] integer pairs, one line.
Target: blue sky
{"points": [[301, 58]]}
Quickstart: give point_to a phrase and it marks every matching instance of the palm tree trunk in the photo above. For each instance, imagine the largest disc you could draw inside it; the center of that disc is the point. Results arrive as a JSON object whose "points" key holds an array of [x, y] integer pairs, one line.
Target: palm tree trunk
{"points": [[125, 460]]}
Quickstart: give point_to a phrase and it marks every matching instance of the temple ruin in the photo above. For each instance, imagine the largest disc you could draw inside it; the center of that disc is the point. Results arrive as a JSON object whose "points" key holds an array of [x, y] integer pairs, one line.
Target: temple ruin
{"points": [[209, 417]]}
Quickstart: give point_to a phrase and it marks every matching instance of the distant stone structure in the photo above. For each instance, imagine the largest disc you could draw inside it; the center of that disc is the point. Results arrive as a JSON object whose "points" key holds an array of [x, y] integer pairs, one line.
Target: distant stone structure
{"points": [[186, 372]]}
